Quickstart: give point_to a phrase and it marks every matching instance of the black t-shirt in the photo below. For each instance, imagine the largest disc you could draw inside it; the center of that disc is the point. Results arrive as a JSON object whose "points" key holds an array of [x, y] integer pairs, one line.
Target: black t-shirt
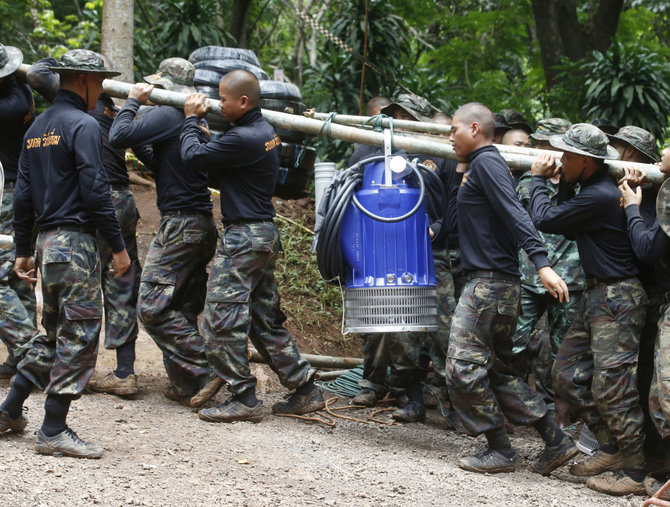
{"points": [[61, 180], [596, 220], [492, 224], [246, 161], [177, 187], [17, 112]]}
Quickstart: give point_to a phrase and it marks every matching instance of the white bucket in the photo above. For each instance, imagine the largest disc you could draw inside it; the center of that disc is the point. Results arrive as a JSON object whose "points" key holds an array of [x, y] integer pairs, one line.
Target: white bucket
{"points": [[323, 175]]}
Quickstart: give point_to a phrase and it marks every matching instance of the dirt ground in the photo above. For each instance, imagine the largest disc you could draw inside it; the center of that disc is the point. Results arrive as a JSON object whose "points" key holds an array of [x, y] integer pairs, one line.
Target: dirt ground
{"points": [[158, 452]]}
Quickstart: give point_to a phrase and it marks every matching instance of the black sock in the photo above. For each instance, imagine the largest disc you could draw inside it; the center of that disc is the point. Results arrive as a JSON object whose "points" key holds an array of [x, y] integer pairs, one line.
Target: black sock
{"points": [[247, 398], [498, 440], [306, 388], [21, 389], [549, 430], [125, 360], [414, 392], [636, 473], [55, 413]]}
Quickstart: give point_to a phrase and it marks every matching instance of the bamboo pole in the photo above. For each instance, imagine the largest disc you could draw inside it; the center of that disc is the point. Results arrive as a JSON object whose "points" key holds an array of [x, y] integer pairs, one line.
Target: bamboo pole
{"points": [[519, 159], [357, 121], [315, 360]]}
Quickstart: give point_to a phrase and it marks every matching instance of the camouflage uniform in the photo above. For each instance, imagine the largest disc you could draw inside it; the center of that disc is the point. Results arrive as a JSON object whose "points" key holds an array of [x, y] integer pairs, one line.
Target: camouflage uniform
{"points": [[536, 352], [659, 394], [439, 340], [376, 362], [120, 295], [172, 293], [18, 320], [482, 384], [63, 360], [596, 366], [242, 304]]}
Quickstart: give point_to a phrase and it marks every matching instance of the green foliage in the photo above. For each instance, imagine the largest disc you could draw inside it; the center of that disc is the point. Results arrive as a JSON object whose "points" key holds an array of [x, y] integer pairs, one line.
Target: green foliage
{"points": [[334, 84], [175, 28], [300, 283], [50, 28], [630, 86]]}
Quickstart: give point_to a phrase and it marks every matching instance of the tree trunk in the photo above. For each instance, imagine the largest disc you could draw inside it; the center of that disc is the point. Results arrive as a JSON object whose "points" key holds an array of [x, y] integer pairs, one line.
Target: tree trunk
{"points": [[116, 38], [561, 35], [238, 21]]}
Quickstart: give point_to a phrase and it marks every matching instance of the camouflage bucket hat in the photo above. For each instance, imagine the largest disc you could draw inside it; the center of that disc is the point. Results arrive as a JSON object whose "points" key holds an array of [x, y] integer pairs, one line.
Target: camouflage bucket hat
{"points": [[640, 139], [605, 125], [550, 127], [174, 74], [84, 61], [501, 121], [585, 139], [10, 59], [517, 121], [417, 107]]}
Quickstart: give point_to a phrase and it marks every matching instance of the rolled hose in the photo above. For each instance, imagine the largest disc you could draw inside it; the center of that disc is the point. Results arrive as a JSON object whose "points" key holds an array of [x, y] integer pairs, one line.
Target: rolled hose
{"points": [[328, 249]]}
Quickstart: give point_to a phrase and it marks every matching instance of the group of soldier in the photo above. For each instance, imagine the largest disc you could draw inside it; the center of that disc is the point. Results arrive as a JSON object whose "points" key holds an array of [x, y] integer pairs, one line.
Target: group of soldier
{"points": [[563, 245], [73, 218], [595, 269]]}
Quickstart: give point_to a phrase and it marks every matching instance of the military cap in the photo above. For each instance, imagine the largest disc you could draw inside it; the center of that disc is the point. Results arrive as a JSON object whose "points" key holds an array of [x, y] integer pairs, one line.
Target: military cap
{"points": [[174, 74], [550, 127], [501, 121], [516, 120], [83, 61], [640, 139], [585, 139], [605, 125], [10, 59], [417, 107]]}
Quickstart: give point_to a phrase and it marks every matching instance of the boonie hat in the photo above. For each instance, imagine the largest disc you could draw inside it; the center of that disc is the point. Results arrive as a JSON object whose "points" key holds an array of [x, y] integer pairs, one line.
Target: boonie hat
{"points": [[550, 127], [10, 59], [640, 139], [84, 61], [417, 107], [605, 125], [174, 74], [516, 120], [585, 139], [501, 121]]}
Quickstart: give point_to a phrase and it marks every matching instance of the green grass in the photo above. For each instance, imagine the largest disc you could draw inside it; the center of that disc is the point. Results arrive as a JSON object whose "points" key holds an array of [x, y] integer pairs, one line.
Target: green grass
{"points": [[305, 296]]}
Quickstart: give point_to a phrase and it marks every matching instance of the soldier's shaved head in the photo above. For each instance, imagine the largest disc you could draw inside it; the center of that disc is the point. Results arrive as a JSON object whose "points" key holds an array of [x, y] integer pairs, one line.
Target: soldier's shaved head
{"points": [[476, 112], [241, 82]]}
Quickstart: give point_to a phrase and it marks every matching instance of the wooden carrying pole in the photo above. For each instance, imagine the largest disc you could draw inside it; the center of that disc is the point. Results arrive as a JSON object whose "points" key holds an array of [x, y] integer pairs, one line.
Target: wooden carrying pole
{"points": [[519, 159]]}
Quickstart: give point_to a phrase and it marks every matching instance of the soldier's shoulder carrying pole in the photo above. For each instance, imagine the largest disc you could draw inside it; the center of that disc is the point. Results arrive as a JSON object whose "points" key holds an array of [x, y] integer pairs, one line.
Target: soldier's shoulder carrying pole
{"points": [[519, 159]]}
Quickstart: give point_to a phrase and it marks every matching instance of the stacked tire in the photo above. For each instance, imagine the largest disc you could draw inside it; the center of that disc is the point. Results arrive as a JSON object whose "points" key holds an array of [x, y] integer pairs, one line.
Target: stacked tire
{"points": [[212, 63]]}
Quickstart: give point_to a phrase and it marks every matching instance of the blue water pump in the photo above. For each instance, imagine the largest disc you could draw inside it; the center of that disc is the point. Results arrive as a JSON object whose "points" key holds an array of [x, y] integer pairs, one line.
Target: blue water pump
{"points": [[390, 283]]}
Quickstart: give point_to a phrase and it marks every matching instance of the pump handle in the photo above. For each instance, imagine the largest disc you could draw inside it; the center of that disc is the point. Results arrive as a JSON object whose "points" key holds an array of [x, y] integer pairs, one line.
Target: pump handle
{"points": [[422, 193]]}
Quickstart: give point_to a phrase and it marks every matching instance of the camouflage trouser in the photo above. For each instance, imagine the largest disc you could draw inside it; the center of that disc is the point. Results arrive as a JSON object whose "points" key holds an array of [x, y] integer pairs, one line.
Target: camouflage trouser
{"points": [[659, 394], [121, 294], [18, 322], [457, 273], [482, 384], [375, 362], [536, 352], [446, 304], [63, 360], [596, 367], [172, 294], [399, 351], [243, 304]]}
